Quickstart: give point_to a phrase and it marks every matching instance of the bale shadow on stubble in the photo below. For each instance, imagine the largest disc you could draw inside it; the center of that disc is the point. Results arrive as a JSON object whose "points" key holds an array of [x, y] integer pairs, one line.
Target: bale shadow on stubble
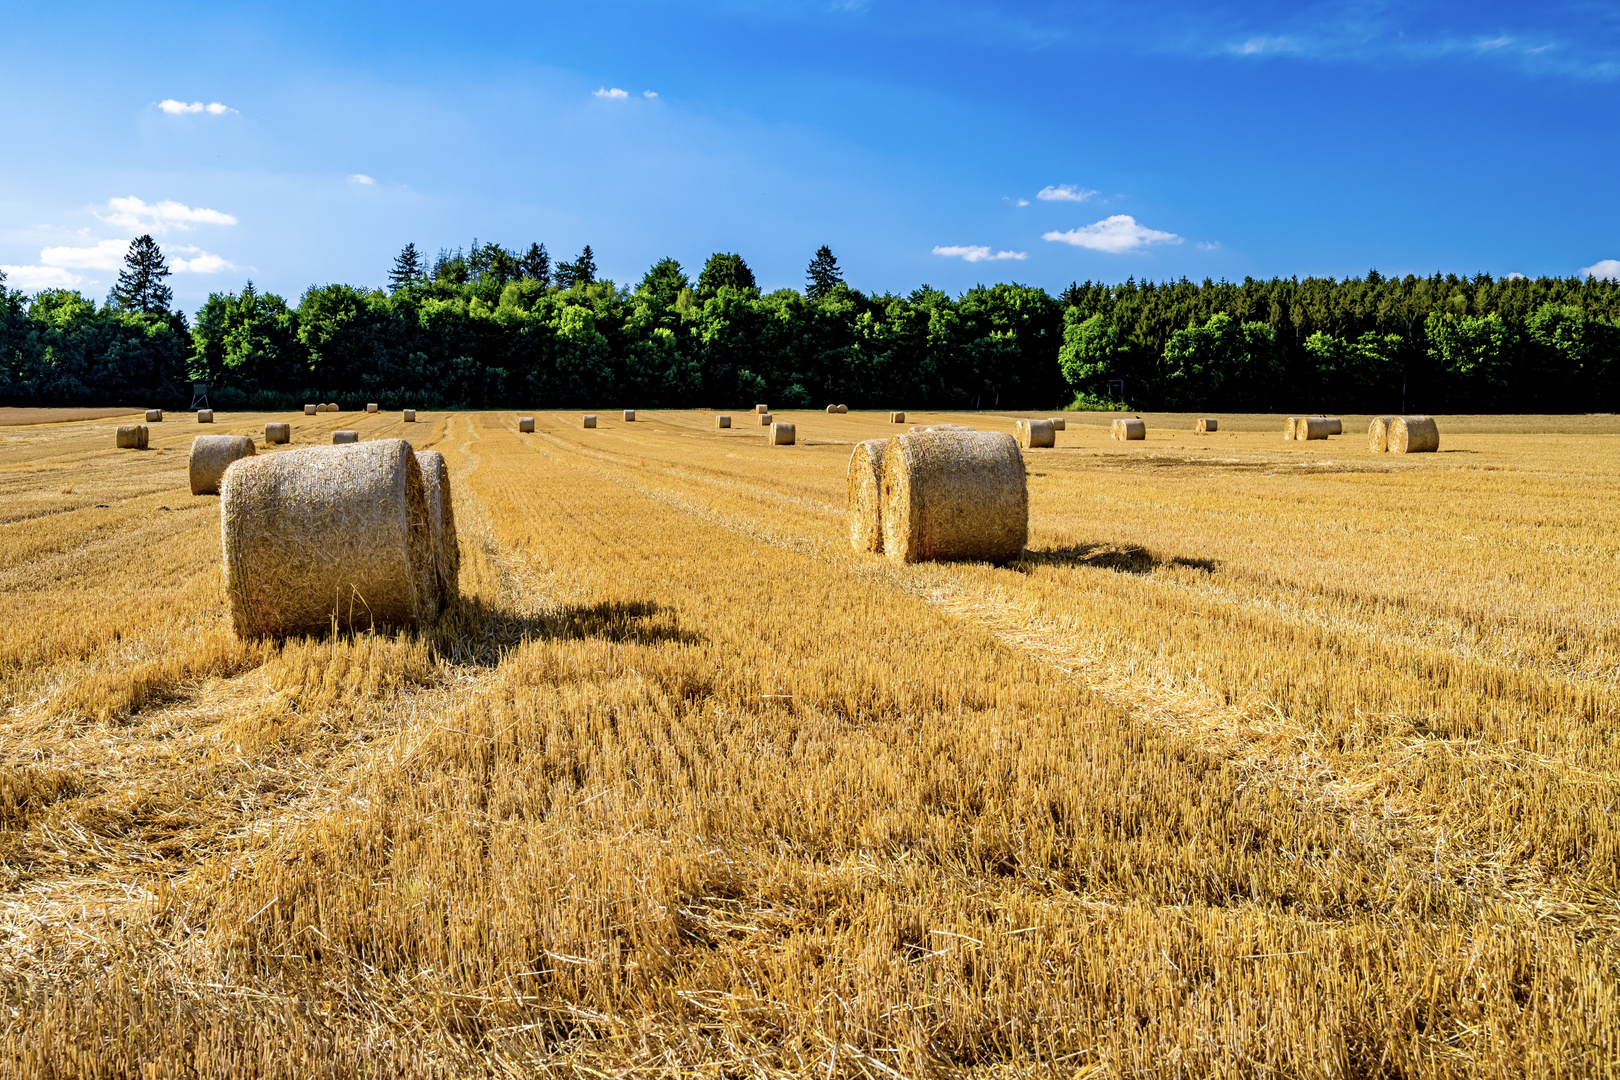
{"points": [[1120, 558], [475, 632]]}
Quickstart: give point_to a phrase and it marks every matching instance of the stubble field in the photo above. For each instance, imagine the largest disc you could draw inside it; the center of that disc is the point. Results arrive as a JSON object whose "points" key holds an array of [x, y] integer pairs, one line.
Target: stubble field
{"points": [[1267, 759]]}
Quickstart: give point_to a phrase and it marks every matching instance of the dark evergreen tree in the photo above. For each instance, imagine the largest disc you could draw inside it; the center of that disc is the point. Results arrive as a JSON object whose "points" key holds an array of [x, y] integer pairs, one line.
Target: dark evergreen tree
{"points": [[725, 270], [823, 275], [407, 268], [140, 283], [537, 264], [582, 271]]}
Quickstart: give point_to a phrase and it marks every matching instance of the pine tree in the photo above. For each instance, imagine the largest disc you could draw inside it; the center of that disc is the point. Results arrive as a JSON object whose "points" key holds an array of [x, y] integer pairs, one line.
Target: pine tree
{"points": [[823, 274], [407, 268], [537, 264], [582, 271], [140, 283]]}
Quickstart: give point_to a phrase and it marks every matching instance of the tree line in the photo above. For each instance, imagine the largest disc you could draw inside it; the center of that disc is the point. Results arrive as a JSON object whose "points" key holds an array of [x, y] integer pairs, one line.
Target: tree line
{"points": [[487, 326]]}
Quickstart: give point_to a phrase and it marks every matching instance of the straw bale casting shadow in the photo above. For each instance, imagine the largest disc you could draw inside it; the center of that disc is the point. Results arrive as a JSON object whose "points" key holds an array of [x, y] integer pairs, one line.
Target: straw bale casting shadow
{"points": [[479, 633], [1121, 558]]}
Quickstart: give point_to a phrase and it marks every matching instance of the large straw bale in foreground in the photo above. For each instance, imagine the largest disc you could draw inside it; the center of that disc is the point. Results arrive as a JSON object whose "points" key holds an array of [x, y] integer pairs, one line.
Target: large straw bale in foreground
{"points": [[1312, 427], [588, 420], [205, 416], [211, 455], [320, 534], [525, 423], [722, 421], [441, 525], [954, 496], [154, 416], [131, 437], [1413, 435], [864, 495], [1207, 425], [782, 433], [277, 433], [1378, 434], [1036, 434], [346, 436]]}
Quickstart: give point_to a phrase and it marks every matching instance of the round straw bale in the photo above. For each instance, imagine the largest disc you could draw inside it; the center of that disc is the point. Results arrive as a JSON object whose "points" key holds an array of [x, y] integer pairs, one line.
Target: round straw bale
{"points": [[762, 408], [441, 524], [1312, 427], [154, 416], [722, 421], [1289, 426], [1207, 425], [1378, 434], [345, 436], [781, 433], [1034, 434], [205, 416], [1058, 423], [1113, 429], [897, 418], [277, 433], [863, 488], [1413, 435], [410, 416], [1335, 425], [843, 408], [371, 406], [954, 496], [525, 423], [131, 437], [629, 414], [319, 535], [588, 420], [764, 419], [211, 455], [311, 410], [832, 409], [1133, 430], [332, 406]]}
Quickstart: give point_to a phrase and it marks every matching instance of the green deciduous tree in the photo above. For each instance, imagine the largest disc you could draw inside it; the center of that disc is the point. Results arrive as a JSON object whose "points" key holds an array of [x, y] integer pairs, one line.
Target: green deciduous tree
{"points": [[725, 271]]}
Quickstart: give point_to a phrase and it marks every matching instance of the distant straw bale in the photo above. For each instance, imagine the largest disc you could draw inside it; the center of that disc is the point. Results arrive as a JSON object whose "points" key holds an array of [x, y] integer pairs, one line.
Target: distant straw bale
{"points": [[1290, 426], [409, 417], [629, 414], [1378, 434], [723, 420], [332, 406], [371, 406], [588, 420], [205, 416], [1207, 425], [1312, 427], [525, 423], [1035, 434], [762, 408], [764, 419], [863, 488], [311, 410], [211, 455], [782, 433], [843, 408], [131, 437], [277, 433], [442, 525], [1335, 425], [340, 437], [897, 418], [322, 535], [954, 496], [832, 409], [1413, 435], [1058, 423], [1132, 430], [154, 416]]}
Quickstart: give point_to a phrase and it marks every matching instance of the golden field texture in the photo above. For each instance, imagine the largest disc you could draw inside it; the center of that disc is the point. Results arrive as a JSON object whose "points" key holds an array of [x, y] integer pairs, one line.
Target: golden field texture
{"points": [[1266, 759]]}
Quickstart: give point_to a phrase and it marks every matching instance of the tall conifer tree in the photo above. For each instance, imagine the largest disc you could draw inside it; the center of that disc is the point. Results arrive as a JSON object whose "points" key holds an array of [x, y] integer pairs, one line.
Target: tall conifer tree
{"points": [[536, 264], [408, 267], [140, 283], [823, 275]]}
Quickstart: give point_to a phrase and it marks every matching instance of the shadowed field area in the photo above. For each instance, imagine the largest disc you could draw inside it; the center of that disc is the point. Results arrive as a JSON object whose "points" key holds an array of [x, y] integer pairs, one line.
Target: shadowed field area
{"points": [[1267, 759]]}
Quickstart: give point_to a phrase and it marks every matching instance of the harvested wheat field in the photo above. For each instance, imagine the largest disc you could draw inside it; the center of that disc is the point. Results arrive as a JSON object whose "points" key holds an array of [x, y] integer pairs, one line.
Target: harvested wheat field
{"points": [[1266, 759]]}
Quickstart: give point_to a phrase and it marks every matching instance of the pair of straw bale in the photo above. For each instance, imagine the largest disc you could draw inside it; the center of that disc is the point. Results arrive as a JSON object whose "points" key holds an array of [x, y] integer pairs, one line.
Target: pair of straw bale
{"points": [[211, 456], [588, 420], [629, 414], [340, 438], [205, 416], [782, 433], [897, 418], [526, 423], [276, 434], [154, 416], [131, 437], [323, 537], [1207, 425], [943, 495], [1035, 434], [1403, 435], [409, 417], [722, 421], [1128, 430]]}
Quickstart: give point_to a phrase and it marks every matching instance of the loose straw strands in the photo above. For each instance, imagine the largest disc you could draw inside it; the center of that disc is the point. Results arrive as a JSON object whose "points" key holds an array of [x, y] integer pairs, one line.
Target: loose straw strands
{"points": [[954, 496]]}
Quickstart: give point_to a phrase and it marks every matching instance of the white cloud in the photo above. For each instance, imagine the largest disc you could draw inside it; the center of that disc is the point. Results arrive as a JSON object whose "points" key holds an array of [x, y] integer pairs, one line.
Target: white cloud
{"points": [[649, 94], [1493, 43], [202, 263], [1063, 193], [176, 108], [103, 255], [135, 214], [1114, 235], [1603, 268], [1257, 46], [1208, 245], [1515, 276], [975, 254], [362, 178], [615, 93], [40, 277], [1023, 202]]}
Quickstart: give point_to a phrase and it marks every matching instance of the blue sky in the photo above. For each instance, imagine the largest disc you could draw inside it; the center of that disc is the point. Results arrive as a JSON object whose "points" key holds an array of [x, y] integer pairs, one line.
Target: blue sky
{"points": [[948, 143]]}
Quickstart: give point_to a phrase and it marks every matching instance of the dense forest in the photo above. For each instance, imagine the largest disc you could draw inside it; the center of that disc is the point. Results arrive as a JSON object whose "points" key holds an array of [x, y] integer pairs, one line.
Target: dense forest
{"points": [[489, 326]]}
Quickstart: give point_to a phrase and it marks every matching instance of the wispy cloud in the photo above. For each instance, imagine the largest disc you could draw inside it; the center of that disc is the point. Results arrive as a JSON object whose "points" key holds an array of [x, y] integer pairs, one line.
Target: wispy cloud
{"points": [[976, 253], [649, 94], [614, 93], [177, 108], [135, 214], [1063, 193], [1114, 235], [1208, 245], [1257, 46], [363, 179], [1603, 268], [103, 255], [41, 277]]}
